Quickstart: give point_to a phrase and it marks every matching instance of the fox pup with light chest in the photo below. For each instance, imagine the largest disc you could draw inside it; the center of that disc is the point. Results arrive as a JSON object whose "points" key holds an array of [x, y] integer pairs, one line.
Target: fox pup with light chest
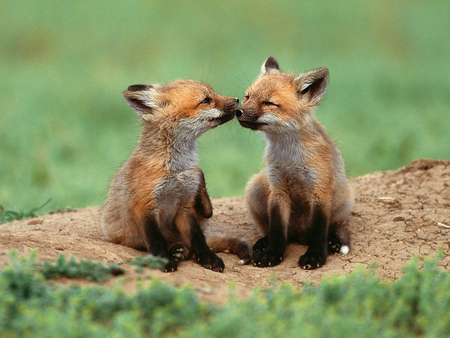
{"points": [[302, 195], [158, 201]]}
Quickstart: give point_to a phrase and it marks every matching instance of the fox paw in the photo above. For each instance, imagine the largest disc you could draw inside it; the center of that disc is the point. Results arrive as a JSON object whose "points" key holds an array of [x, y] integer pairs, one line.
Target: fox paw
{"points": [[180, 252], [210, 260], [260, 245], [334, 247], [312, 260], [171, 266], [266, 258]]}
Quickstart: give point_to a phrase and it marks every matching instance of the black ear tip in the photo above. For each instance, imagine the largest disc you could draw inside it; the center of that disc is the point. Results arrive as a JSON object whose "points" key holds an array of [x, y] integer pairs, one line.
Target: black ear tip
{"points": [[271, 63], [138, 87]]}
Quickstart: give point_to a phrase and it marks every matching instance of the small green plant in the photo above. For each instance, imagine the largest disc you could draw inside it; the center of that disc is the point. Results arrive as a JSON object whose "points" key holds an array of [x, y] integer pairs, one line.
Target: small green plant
{"points": [[72, 268], [147, 261], [10, 215]]}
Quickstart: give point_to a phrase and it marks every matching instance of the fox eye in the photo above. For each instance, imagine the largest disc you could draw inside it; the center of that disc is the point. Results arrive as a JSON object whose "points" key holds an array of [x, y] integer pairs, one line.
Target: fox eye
{"points": [[268, 103], [246, 97], [206, 100]]}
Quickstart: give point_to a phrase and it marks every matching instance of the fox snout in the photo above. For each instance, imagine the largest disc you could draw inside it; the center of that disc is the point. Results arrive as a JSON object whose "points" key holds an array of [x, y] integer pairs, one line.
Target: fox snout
{"points": [[229, 110], [231, 105], [248, 118]]}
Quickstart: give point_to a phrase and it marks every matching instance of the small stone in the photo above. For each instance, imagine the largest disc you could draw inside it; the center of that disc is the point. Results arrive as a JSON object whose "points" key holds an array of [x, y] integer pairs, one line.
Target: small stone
{"points": [[390, 202], [398, 219], [35, 222]]}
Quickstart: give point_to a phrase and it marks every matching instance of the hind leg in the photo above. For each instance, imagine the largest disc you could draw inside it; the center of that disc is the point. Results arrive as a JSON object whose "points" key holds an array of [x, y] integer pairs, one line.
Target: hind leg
{"points": [[339, 236], [334, 244], [338, 239]]}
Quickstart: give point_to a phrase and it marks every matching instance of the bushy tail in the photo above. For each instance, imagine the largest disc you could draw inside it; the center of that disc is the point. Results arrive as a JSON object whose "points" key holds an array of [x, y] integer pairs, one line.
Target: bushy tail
{"points": [[237, 246], [339, 239]]}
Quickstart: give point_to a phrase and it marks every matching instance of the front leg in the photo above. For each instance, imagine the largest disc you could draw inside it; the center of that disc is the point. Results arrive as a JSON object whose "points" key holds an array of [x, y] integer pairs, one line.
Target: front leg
{"points": [[201, 250], [269, 250], [156, 243], [203, 205], [316, 255]]}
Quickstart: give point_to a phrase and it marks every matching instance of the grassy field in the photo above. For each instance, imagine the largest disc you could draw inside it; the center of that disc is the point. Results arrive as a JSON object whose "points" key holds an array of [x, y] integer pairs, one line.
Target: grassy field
{"points": [[356, 305], [65, 128]]}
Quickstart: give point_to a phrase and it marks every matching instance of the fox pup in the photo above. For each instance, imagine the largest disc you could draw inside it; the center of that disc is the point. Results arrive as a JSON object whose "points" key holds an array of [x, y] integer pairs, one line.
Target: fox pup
{"points": [[158, 201], [302, 194]]}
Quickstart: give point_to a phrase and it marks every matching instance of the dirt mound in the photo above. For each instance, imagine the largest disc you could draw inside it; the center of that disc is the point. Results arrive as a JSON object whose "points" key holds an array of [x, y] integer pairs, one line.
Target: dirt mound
{"points": [[397, 214]]}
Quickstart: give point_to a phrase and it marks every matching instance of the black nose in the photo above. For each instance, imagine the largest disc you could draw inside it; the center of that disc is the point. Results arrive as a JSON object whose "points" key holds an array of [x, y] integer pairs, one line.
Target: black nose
{"points": [[239, 113], [236, 99]]}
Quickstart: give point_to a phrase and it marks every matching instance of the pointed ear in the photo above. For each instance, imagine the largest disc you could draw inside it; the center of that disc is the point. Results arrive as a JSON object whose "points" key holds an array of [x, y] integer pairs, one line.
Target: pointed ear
{"points": [[141, 98], [270, 66], [313, 85]]}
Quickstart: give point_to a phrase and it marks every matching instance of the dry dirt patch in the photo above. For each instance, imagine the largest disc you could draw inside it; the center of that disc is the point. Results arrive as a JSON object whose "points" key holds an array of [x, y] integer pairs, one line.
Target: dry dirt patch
{"points": [[397, 214]]}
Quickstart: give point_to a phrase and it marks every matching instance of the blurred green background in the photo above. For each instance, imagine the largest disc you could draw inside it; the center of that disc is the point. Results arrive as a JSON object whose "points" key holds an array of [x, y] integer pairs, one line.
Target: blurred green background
{"points": [[65, 128]]}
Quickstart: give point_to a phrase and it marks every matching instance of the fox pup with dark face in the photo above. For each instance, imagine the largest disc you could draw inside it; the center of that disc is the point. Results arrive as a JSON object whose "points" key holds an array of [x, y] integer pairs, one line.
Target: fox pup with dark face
{"points": [[302, 195], [158, 201]]}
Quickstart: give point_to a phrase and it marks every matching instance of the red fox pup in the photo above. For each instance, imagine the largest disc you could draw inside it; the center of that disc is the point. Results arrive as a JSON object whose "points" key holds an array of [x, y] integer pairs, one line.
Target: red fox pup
{"points": [[158, 201], [302, 194]]}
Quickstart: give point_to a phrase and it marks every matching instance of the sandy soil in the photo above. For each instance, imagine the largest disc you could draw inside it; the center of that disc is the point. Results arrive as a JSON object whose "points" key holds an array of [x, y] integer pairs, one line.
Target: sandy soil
{"points": [[397, 214]]}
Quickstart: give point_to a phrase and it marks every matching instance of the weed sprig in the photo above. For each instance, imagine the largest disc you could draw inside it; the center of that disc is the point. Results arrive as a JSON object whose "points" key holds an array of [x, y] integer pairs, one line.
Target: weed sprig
{"points": [[11, 215]]}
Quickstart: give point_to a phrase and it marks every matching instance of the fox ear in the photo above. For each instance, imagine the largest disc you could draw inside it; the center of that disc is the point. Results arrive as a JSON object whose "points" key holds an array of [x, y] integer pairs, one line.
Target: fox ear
{"points": [[270, 66], [141, 98], [313, 85]]}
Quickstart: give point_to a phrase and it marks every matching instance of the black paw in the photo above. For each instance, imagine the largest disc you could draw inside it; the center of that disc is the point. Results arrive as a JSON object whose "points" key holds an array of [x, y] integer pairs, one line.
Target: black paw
{"points": [[267, 257], [334, 244], [334, 248], [210, 260], [260, 245], [312, 260], [180, 252], [171, 266]]}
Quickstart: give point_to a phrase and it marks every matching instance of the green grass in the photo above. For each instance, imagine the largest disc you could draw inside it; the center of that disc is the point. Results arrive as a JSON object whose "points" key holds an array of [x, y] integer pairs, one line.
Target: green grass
{"points": [[11, 215], [79, 269], [147, 261], [356, 305], [65, 128]]}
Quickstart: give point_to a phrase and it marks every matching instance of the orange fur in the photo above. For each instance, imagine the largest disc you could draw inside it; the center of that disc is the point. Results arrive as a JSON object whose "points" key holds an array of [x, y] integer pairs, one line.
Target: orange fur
{"points": [[304, 170], [161, 181]]}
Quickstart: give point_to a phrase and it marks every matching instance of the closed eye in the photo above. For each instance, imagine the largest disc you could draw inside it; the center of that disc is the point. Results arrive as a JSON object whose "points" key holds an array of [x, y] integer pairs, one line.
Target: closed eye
{"points": [[206, 100], [268, 103]]}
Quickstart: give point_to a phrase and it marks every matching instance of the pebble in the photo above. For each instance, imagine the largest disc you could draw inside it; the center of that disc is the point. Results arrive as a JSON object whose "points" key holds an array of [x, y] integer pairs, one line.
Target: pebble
{"points": [[35, 222]]}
